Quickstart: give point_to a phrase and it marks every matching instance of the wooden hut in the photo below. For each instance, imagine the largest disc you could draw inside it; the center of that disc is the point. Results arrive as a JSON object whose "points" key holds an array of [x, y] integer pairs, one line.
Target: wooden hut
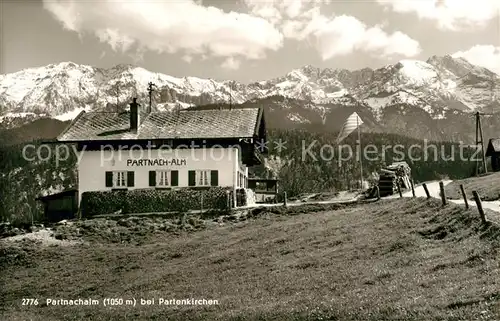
{"points": [[60, 206], [493, 151], [265, 189]]}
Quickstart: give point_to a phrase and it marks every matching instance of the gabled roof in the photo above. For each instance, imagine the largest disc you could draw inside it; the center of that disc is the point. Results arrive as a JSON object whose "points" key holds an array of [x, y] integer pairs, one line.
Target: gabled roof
{"points": [[185, 124], [493, 147]]}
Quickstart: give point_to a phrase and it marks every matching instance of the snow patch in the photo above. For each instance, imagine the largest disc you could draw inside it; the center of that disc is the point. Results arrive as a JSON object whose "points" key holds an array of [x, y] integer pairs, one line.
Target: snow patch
{"points": [[297, 118], [71, 114], [20, 115], [418, 71], [297, 74], [441, 115], [400, 97], [378, 103], [11, 120], [337, 94]]}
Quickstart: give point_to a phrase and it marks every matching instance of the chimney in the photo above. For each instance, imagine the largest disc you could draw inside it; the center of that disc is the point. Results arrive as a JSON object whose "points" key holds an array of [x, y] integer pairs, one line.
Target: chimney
{"points": [[134, 115]]}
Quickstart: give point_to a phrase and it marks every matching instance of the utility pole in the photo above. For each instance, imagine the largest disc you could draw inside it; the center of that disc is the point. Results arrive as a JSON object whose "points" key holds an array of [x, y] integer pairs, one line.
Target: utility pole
{"points": [[150, 91], [480, 140], [360, 152]]}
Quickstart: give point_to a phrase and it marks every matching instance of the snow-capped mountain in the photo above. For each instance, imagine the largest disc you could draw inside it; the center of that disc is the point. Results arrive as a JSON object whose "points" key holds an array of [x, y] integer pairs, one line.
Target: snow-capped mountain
{"points": [[439, 84], [63, 90]]}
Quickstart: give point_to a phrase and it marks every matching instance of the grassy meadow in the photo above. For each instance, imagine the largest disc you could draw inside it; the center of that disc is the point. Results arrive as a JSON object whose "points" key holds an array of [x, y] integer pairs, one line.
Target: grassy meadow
{"points": [[400, 259], [487, 187]]}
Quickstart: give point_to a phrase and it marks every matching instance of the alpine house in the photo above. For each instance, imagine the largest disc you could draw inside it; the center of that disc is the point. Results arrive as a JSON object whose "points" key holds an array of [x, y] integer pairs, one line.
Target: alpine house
{"points": [[191, 148]]}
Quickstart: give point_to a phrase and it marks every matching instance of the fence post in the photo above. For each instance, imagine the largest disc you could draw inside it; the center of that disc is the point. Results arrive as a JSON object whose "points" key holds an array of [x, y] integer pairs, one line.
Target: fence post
{"points": [[201, 205], [284, 199], [443, 195], [479, 206], [412, 187], [378, 192], [426, 190], [228, 200], [464, 196], [399, 188]]}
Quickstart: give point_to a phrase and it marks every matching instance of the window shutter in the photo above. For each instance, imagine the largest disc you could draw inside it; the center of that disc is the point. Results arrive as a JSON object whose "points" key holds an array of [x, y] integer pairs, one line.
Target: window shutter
{"points": [[214, 178], [174, 179], [192, 178], [152, 178], [109, 179], [130, 179]]}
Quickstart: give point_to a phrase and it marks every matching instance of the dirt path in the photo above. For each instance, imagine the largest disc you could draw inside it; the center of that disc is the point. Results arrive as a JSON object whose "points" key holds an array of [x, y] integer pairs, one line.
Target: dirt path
{"points": [[433, 188]]}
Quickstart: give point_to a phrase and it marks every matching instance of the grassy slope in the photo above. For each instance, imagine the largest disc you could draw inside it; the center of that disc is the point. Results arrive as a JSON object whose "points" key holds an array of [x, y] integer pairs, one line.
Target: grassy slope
{"points": [[402, 259], [488, 187]]}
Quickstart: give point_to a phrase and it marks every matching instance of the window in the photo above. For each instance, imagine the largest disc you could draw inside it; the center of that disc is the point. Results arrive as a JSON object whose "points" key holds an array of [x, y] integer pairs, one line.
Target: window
{"points": [[241, 180], [202, 178], [163, 178], [120, 179]]}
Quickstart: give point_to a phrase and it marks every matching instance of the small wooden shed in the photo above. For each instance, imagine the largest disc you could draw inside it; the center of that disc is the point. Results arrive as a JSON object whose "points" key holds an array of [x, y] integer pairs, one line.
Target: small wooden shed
{"points": [[265, 189], [493, 151], [60, 206]]}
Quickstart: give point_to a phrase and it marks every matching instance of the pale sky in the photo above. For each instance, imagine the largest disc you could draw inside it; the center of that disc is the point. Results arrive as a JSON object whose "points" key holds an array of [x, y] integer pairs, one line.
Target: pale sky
{"points": [[245, 40]]}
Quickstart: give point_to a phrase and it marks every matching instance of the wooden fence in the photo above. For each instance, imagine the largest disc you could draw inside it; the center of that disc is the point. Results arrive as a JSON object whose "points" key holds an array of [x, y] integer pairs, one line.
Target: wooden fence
{"points": [[442, 195], [444, 200]]}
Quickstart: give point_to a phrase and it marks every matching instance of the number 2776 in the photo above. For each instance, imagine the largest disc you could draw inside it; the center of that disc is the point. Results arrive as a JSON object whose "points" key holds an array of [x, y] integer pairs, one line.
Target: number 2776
{"points": [[30, 301]]}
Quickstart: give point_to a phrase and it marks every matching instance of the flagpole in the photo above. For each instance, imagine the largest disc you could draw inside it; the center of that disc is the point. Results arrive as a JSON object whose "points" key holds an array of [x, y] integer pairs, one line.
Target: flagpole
{"points": [[361, 154]]}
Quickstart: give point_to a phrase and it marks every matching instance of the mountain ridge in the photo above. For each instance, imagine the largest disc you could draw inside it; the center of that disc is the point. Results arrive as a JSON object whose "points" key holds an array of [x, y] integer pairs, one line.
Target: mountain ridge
{"points": [[430, 99], [440, 82]]}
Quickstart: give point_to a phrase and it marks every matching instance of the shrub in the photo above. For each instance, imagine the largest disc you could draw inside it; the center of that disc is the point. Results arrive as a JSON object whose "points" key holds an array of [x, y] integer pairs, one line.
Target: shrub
{"points": [[95, 203], [153, 201]]}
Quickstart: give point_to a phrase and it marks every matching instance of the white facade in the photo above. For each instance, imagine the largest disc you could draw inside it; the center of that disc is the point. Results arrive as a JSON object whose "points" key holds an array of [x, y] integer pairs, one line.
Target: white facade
{"points": [[171, 167]]}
